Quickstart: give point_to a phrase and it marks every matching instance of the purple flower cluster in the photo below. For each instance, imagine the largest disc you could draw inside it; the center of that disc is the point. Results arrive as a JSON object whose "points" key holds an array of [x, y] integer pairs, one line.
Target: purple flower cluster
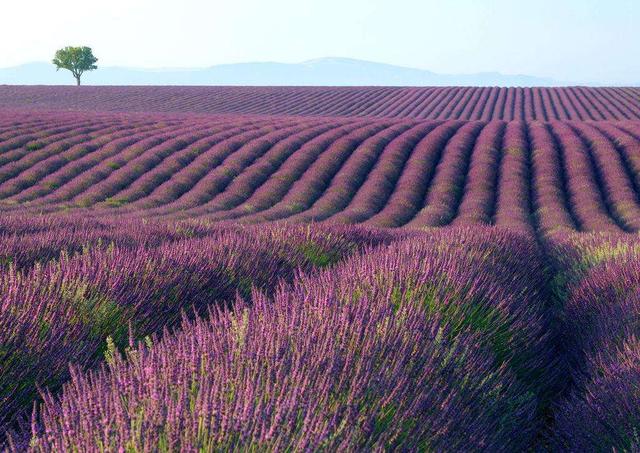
{"points": [[63, 292], [437, 342], [600, 324]]}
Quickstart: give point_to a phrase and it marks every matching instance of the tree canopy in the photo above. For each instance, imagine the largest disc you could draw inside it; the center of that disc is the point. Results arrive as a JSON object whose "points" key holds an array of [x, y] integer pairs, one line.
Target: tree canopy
{"points": [[75, 59]]}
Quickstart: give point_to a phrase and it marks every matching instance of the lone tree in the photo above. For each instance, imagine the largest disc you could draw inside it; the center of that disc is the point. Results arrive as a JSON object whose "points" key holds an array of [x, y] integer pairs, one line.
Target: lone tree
{"points": [[75, 59]]}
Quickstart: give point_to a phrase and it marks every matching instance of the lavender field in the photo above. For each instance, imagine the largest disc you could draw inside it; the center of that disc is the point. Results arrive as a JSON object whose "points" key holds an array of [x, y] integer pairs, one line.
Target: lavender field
{"points": [[465, 103], [304, 269]]}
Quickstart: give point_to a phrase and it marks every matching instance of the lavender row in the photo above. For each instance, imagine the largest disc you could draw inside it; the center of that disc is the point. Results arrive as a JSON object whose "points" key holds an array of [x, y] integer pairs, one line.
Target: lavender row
{"points": [[216, 178], [599, 284], [281, 181], [346, 182], [477, 204], [585, 195], [513, 193], [308, 188], [445, 192], [253, 176], [552, 207], [463, 103], [412, 185], [530, 176], [63, 311], [381, 180], [412, 346]]}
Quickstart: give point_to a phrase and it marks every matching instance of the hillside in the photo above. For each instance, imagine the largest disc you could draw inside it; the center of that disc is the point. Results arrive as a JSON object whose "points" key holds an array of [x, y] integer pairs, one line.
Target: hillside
{"points": [[318, 72]]}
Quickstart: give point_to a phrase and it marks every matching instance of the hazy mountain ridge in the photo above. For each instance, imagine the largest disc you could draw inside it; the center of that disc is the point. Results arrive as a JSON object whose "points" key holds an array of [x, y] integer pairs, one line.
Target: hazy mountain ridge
{"points": [[323, 71]]}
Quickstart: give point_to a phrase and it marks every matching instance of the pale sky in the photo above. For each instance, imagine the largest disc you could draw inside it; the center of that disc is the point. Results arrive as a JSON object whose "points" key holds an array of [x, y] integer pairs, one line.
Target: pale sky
{"points": [[569, 40]]}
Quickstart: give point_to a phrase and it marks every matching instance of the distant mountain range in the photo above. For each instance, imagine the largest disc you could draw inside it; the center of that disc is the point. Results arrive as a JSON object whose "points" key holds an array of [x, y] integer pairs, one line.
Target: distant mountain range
{"points": [[324, 71]]}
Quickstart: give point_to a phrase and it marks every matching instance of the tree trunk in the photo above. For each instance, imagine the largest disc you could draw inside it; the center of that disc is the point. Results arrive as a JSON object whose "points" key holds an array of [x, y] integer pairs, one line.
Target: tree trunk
{"points": [[78, 80]]}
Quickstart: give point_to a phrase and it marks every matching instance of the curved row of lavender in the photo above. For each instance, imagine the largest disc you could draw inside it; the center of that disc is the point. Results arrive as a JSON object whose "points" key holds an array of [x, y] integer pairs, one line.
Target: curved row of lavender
{"points": [[463, 103], [599, 283], [438, 342], [68, 284], [530, 176]]}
